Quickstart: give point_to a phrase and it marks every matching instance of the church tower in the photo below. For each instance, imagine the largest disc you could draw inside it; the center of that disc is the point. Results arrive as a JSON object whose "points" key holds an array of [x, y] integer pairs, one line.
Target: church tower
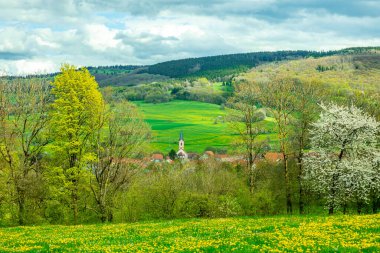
{"points": [[181, 142], [181, 147]]}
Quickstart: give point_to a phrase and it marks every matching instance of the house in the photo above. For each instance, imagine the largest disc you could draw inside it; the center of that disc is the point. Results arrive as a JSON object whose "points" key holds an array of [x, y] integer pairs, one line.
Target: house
{"points": [[157, 158], [273, 157], [192, 156]]}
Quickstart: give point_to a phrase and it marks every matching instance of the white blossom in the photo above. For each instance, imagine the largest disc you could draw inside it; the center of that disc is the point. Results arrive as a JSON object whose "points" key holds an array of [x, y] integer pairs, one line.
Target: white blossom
{"points": [[344, 161]]}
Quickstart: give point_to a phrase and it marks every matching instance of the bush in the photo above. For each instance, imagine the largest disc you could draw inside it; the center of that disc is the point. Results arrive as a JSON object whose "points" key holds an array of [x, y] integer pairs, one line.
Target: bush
{"points": [[157, 97], [227, 206], [192, 204], [264, 202], [259, 115]]}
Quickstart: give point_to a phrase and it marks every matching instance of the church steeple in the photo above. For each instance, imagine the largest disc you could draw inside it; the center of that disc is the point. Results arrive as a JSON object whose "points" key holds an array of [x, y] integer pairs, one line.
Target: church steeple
{"points": [[181, 147]]}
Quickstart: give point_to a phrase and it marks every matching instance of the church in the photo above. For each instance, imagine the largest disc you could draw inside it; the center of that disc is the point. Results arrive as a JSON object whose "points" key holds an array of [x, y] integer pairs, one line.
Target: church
{"points": [[181, 147]]}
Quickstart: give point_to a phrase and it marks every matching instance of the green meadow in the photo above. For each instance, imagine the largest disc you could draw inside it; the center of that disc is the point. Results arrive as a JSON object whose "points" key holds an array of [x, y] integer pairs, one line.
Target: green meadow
{"points": [[203, 125], [348, 233]]}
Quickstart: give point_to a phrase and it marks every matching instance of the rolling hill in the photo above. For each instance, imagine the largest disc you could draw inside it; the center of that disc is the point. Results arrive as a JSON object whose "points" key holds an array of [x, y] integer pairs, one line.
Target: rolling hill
{"points": [[347, 78], [203, 125], [212, 67]]}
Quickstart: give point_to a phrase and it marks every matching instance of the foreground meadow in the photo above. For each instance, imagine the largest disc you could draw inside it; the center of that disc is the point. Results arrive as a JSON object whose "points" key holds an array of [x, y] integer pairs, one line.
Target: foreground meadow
{"points": [[275, 234]]}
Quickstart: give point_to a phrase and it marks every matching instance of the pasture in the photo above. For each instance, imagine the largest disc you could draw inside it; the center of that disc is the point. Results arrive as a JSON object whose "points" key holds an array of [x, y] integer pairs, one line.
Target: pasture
{"points": [[356, 233], [203, 124]]}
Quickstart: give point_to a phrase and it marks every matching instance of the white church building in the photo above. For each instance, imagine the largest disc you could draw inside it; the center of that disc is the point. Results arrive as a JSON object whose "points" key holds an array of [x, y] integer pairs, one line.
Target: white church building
{"points": [[181, 148]]}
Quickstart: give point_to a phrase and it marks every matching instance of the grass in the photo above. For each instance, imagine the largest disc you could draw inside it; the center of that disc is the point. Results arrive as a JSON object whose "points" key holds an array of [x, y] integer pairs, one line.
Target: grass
{"points": [[203, 125], [274, 234]]}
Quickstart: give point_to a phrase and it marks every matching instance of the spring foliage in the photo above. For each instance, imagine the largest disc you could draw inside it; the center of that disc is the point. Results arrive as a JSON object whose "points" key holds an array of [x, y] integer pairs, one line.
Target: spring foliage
{"points": [[344, 162], [77, 106]]}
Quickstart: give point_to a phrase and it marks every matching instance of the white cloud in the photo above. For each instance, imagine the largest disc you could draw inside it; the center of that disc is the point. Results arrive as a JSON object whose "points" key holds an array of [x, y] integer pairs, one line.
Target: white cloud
{"points": [[100, 37], [39, 35], [24, 67]]}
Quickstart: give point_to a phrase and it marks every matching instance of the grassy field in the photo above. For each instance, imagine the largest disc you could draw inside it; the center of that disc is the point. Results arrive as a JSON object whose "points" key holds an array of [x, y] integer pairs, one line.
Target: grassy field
{"points": [[203, 125], [274, 234]]}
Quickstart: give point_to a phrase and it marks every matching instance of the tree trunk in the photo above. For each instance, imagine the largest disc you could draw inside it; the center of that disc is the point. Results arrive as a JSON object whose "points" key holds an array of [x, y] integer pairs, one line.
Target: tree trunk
{"points": [[250, 167], [301, 200], [375, 205], [332, 192], [21, 209], [251, 179], [301, 191], [359, 206], [345, 207], [75, 198], [103, 212], [289, 207], [73, 177]]}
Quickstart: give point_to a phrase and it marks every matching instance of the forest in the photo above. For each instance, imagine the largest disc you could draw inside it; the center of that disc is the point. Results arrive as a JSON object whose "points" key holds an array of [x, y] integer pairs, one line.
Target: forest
{"points": [[72, 153]]}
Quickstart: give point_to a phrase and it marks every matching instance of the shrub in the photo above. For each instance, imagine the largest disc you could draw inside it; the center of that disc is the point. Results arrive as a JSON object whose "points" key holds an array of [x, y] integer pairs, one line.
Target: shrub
{"points": [[259, 115], [227, 206], [192, 204]]}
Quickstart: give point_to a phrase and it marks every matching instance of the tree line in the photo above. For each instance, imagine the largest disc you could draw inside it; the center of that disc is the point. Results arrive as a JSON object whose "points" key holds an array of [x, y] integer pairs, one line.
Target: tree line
{"points": [[61, 144], [223, 65], [328, 150]]}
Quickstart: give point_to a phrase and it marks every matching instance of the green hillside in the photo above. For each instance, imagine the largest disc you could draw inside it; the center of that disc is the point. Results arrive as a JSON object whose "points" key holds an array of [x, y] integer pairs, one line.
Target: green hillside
{"points": [[233, 63], [346, 78], [203, 125], [356, 72], [212, 67]]}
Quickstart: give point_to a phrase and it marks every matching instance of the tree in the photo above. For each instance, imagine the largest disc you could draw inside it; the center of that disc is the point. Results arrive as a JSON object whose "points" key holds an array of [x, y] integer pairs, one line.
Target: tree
{"points": [[172, 154], [24, 104], [343, 164], [309, 94], [76, 113], [243, 117], [280, 94], [119, 139]]}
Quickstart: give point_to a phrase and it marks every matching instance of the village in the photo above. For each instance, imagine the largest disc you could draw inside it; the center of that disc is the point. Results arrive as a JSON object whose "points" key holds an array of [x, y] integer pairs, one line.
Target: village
{"points": [[184, 156]]}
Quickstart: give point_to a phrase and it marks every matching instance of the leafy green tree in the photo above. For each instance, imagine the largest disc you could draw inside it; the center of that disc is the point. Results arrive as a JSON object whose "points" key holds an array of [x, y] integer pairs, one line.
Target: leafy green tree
{"points": [[75, 115], [24, 104], [172, 154], [280, 94], [309, 94], [243, 117], [117, 142]]}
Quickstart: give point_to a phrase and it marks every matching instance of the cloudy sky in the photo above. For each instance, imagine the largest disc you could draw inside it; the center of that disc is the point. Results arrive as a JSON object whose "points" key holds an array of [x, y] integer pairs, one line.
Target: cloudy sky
{"points": [[37, 36]]}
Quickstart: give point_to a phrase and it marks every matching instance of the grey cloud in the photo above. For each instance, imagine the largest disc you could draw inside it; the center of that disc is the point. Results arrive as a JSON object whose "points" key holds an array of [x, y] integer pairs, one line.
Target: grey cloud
{"points": [[14, 56], [270, 9], [34, 30], [150, 46]]}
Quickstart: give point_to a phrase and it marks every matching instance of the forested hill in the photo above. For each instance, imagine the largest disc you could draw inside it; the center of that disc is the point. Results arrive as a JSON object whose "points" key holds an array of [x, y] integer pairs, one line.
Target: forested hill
{"points": [[210, 66], [227, 63], [213, 66]]}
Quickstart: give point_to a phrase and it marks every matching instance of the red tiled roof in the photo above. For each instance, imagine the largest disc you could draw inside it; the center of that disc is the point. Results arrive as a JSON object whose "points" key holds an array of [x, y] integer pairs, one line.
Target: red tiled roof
{"points": [[273, 157], [157, 157]]}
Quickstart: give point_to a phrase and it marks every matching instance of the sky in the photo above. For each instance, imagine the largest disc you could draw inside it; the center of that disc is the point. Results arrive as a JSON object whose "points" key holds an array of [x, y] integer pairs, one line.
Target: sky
{"points": [[37, 36]]}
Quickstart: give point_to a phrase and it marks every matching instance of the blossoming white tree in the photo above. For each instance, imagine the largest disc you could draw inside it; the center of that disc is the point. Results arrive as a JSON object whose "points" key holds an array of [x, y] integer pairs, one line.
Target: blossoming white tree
{"points": [[343, 164]]}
